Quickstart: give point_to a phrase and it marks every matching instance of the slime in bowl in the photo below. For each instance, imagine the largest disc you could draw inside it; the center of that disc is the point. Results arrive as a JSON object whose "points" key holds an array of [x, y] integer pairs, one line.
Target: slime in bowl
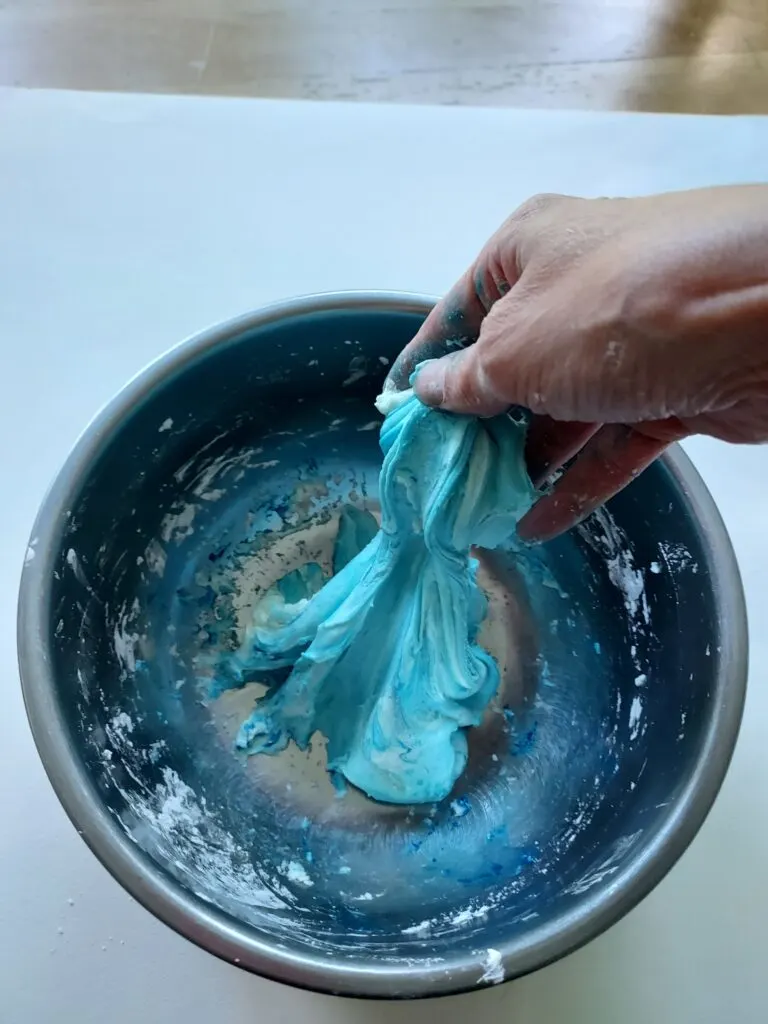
{"points": [[237, 475], [387, 665]]}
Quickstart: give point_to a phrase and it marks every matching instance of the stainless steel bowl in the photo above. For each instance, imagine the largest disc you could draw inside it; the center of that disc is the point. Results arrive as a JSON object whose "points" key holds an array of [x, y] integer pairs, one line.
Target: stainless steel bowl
{"points": [[623, 649]]}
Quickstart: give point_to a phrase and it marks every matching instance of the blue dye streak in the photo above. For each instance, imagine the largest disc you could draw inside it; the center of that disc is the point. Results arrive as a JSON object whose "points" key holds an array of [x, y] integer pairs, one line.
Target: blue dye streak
{"points": [[386, 663]]}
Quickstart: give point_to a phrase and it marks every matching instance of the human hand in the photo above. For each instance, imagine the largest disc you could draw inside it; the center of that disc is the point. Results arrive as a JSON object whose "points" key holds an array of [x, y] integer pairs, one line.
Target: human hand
{"points": [[622, 324]]}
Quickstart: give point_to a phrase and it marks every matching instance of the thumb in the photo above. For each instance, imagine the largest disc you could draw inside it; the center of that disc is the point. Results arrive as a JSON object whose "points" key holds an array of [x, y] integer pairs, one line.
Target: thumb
{"points": [[458, 383]]}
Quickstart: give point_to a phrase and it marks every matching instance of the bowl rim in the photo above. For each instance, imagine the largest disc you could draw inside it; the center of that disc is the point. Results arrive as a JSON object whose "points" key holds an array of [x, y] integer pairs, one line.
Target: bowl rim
{"points": [[238, 943]]}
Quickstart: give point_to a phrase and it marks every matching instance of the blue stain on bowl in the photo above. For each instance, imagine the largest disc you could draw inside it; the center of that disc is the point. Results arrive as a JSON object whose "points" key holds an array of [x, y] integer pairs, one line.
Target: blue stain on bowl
{"points": [[522, 742]]}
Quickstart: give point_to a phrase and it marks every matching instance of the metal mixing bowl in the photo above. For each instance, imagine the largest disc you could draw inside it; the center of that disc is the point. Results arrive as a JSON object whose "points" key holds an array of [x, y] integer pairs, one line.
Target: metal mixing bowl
{"points": [[623, 650]]}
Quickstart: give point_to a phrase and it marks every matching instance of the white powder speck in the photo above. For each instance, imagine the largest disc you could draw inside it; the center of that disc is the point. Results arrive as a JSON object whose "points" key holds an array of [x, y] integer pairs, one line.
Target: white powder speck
{"points": [[614, 352], [641, 680], [29, 555], [494, 968], [383, 360], [459, 808], [156, 557], [677, 557], [465, 916], [655, 568], [155, 749], [373, 425], [294, 871], [125, 639], [165, 425], [345, 869], [177, 525], [630, 582], [420, 930], [120, 727]]}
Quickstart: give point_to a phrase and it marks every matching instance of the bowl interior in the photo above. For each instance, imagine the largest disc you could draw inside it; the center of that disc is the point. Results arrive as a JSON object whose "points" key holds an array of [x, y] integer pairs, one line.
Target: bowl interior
{"points": [[235, 468]]}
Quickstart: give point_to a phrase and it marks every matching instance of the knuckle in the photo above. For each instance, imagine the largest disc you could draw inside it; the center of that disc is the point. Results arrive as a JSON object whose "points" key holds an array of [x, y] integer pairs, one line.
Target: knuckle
{"points": [[488, 387], [461, 385], [542, 202], [490, 282], [464, 389]]}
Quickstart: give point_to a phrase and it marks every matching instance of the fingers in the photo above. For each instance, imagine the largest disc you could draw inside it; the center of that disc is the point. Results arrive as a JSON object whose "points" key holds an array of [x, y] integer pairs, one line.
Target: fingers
{"points": [[454, 322], [551, 443], [613, 457], [458, 383]]}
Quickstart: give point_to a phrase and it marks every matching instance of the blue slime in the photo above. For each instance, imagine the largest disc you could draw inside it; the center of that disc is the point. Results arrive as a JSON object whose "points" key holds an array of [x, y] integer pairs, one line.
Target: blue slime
{"points": [[385, 658]]}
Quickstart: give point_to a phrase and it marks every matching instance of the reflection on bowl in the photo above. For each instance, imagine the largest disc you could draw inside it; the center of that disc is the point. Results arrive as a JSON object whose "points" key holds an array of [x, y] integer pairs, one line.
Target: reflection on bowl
{"points": [[230, 461]]}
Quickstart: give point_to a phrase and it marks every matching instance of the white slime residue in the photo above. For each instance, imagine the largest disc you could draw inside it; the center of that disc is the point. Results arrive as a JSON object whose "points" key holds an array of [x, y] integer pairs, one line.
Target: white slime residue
{"points": [[629, 580], [177, 823], [420, 930], [465, 916], [635, 714], [295, 872], [494, 968]]}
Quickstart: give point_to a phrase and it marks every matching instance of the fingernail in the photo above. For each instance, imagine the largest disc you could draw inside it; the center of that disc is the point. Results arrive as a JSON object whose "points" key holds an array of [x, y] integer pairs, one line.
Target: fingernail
{"points": [[429, 383]]}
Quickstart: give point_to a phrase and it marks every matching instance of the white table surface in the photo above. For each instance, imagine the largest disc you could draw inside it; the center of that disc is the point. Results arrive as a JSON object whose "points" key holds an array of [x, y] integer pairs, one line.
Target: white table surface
{"points": [[128, 222]]}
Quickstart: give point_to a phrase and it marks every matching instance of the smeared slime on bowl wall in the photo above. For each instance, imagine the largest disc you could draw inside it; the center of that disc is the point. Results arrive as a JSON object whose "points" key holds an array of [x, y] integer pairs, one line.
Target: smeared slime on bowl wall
{"points": [[386, 663]]}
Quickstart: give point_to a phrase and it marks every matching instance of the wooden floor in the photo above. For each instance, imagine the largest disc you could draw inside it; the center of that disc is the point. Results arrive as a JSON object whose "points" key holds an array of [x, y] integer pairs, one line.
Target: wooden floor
{"points": [[669, 55]]}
